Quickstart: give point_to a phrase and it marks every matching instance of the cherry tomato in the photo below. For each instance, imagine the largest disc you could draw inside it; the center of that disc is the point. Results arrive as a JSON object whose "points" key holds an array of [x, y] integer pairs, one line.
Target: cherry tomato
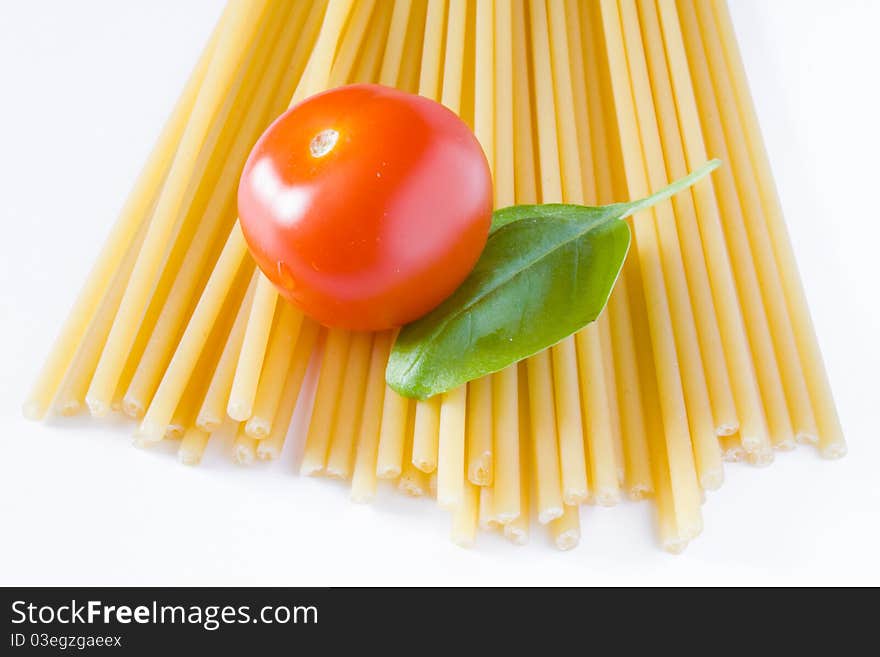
{"points": [[366, 206]]}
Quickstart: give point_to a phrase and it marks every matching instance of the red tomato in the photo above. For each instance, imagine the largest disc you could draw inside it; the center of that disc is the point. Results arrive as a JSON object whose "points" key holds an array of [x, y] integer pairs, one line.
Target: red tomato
{"points": [[366, 206]]}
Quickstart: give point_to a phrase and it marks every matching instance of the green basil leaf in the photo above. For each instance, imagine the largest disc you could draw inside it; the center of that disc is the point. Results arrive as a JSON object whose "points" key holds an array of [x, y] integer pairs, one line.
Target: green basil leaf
{"points": [[546, 272]]}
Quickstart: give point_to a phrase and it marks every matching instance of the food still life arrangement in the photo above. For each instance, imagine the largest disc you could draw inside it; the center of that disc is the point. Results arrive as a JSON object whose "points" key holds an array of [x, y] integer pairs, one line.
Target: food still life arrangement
{"points": [[514, 256]]}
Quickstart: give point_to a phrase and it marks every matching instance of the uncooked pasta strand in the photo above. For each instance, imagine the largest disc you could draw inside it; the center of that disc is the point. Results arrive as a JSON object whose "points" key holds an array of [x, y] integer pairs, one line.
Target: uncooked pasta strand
{"points": [[269, 448], [137, 207], [479, 436], [451, 441], [752, 303], [363, 481], [348, 413], [487, 519], [192, 446], [427, 412], [505, 398], [426, 434], [754, 431], [566, 530], [708, 332], [393, 55], [781, 328], [638, 481], [272, 378], [553, 82], [395, 410], [351, 42], [411, 59], [479, 432], [142, 370], [539, 380], [71, 396], [678, 517], [348, 410], [451, 448], [685, 487], [707, 453], [326, 399], [465, 516], [732, 449], [315, 78], [205, 313], [412, 481], [244, 448], [831, 441], [250, 114], [182, 364], [517, 529], [232, 48], [190, 401], [213, 410]]}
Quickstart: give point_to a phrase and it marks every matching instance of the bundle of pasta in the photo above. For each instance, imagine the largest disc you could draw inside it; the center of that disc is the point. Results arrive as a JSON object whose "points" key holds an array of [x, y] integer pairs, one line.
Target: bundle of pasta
{"points": [[705, 352]]}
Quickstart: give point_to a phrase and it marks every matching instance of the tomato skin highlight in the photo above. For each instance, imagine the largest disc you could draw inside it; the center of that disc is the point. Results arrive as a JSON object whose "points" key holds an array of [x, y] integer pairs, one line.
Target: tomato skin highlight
{"points": [[366, 206]]}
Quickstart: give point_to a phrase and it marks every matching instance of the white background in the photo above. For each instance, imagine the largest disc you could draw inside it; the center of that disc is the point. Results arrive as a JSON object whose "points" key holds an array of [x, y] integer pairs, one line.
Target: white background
{"points": [[84, 89]]}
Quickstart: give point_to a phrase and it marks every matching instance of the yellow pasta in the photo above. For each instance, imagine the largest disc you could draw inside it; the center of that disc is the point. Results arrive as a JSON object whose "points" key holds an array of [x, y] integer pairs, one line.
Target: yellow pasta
{"points": [[704, 356], [831, 441], [233, 44], [351, 402], [363, 483], [284, 337], [682, 470], [269, 447], [326, 398]]}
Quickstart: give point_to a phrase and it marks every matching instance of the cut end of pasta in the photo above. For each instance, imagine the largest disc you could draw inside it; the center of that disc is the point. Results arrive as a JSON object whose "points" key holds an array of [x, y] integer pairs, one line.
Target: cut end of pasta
{"points": [[148, 433], [574, 496], [546, 516], [675, 546], [505, 517], [567, 539], [761, 458], [208, 423], [833, 450], [33, 410], [336, 473], [267, 452], [712, 479], [258, 427], [243, 455], [388, 472], [491, 524], [733, 453], [310, 468], [97, 407], [786, 445], [238, 411], [480, 471], [189, 457], [516, 535], [69, 407], [807, 438], [638, 492], [174, 432], [411, 487], [132, 407], [606, 496], [425, 465], [752, 444], [727, 429]]}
